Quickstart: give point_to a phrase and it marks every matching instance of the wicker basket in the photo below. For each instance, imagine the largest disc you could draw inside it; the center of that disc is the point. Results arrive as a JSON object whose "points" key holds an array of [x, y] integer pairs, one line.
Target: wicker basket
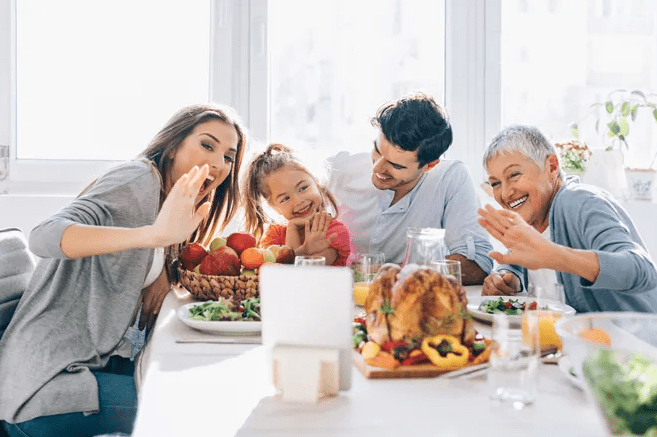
{"points": [[209, 287]]}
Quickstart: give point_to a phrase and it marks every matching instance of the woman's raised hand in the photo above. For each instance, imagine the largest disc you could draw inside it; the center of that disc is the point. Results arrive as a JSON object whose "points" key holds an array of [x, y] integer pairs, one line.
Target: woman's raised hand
{"points": [[180, 215], [527, 247]]}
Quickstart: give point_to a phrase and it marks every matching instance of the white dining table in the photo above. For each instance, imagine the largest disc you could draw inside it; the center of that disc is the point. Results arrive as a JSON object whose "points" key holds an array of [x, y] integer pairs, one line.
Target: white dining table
{"points": [[211, 389]]}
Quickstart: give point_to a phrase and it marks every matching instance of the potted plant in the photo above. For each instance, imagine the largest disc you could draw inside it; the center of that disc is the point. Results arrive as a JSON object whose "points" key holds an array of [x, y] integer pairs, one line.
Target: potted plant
{"points": [[574, 155], [613, 119]]}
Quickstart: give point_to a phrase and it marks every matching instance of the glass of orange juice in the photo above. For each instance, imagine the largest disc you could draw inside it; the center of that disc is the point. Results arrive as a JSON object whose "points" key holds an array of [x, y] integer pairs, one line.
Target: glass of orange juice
{"points": [[365, 267], [543, 321]]}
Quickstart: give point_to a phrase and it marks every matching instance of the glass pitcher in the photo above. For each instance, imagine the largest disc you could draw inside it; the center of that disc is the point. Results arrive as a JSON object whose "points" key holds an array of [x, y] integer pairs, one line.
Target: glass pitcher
{"points": [[424, 245]]}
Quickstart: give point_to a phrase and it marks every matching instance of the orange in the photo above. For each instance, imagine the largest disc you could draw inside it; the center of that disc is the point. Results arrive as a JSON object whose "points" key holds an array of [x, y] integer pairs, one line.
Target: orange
{"points": [[596, 335], [547, 335], [252, 258]]}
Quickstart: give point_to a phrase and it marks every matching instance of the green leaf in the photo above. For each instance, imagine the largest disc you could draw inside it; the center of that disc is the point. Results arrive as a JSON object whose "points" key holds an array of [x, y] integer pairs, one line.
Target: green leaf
{"points": [[624, 127], [635, 110], [574, 129], [625, 109], [654, 114], [614, 128], [609, 148], [387, 308], [610, 107], [638, 93]]}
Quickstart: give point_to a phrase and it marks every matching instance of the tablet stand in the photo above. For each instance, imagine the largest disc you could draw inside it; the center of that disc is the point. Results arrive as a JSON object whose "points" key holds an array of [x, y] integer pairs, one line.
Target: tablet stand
{"points": [[306, 373]]}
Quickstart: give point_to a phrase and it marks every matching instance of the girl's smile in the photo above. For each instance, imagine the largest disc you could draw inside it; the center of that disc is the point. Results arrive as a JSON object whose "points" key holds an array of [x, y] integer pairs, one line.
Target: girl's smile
{"points": [[293, 193]]}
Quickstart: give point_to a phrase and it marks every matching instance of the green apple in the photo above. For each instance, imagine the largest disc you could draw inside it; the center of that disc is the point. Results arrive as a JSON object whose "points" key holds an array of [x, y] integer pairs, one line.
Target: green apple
{"points": [[217, 243], [268, 255]]}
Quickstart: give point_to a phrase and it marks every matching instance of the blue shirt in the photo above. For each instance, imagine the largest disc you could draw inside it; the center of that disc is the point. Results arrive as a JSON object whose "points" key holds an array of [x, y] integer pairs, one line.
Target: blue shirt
{"points": [[588, 218], [445, 197]]}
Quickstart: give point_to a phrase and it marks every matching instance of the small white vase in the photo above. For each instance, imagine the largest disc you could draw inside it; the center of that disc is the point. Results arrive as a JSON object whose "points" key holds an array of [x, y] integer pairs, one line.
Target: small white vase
{"points": [[641, 182], [605, 169]]}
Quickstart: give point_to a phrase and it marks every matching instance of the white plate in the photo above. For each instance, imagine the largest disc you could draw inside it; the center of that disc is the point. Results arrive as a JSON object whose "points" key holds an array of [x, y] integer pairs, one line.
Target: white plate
{"points": [[227, 327], [551, 305], [567, 369]]}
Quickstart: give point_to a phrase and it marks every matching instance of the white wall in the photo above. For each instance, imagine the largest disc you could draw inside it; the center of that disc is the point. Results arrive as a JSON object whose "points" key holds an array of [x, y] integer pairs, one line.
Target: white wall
{"points": [[5, 69], [26, 211]]}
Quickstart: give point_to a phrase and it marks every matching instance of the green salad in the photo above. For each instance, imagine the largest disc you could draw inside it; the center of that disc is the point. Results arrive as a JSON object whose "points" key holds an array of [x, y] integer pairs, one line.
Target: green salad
{"points": [[224, 310], [626, 390], [511, 307]]}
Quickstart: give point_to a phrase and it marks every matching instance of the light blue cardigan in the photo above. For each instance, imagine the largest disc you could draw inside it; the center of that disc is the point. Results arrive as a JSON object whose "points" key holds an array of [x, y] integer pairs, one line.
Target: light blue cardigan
{"points": [[588, 218]]}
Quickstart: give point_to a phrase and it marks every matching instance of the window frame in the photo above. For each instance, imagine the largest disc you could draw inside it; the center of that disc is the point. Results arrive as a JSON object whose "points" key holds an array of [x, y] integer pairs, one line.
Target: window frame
{"points": [[239, 77]]}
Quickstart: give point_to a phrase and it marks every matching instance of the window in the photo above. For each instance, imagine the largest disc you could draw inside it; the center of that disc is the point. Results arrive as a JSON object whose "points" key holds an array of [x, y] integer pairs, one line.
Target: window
{"points": [[341, 60], [97, 80], [107, 75], [558, 58]]}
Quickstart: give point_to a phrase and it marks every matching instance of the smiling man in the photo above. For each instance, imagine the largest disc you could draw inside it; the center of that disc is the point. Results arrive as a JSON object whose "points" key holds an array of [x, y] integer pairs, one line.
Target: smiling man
{"points": [[410, 186]]}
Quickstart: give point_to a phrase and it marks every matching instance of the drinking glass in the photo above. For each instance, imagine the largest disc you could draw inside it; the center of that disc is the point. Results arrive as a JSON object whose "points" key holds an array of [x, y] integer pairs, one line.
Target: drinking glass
{"points": [[365, 267], [513, 373], [309, 260], [449, 268]]}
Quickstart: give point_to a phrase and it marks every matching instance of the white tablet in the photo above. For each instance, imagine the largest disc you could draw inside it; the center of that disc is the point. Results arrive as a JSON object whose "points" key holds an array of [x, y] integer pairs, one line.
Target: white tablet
{"points": [[309, 306]]}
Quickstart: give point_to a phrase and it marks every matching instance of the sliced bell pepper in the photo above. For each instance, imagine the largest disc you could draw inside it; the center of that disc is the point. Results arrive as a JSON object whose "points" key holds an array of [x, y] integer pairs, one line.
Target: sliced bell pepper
{"points": [[416, 358], [445, 351], [388, 346]]}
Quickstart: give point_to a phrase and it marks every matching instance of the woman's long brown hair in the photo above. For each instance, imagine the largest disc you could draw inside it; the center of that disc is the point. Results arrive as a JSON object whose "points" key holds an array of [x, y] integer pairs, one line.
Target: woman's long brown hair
{"points": [[275, 157], [225, 198]]}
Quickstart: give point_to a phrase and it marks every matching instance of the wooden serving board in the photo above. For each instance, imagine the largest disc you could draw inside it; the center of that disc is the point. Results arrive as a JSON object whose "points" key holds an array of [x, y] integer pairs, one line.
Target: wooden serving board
{"points": [[427, 370]]}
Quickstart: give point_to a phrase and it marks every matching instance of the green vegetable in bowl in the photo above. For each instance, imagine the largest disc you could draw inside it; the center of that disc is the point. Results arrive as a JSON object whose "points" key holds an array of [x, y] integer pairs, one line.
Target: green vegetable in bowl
{"points": [[625, 390]]}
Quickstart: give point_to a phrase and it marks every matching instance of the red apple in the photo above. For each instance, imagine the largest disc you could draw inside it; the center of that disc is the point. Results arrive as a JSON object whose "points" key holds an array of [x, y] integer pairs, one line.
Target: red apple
{"points": [[223, 261], [192, 255], [284, 254], [239, 241]]}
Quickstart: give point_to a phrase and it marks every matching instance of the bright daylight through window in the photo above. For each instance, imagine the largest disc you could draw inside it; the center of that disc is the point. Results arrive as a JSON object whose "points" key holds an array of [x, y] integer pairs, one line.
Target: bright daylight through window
{"points": [[560, 57], [341, 60], [96, 80]]}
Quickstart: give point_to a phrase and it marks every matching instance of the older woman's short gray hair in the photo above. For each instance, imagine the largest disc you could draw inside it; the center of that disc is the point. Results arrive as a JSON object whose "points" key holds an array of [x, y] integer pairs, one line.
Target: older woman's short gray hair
{"points": [[526, 140]]}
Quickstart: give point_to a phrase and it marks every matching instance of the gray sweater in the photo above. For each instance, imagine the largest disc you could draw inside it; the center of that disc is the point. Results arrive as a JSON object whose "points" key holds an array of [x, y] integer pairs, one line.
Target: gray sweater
{"points": [[74, 313], [588, 218]]}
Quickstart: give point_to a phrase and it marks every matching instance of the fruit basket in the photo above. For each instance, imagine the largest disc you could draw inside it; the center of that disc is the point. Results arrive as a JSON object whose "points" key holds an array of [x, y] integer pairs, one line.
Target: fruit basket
{"points": [[210, 287]]}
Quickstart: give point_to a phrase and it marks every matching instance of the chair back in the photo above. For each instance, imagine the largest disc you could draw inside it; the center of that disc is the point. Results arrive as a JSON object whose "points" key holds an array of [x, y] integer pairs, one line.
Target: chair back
{"points": [[16, 266]]}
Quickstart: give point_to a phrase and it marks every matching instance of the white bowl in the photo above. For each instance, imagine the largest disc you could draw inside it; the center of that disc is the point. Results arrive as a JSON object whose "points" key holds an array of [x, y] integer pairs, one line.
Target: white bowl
{"points": [[603, 369]]}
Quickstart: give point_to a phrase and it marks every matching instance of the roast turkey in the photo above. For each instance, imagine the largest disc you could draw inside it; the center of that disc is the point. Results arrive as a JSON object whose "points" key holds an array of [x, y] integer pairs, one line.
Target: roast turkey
{"points": [[424, 304]]}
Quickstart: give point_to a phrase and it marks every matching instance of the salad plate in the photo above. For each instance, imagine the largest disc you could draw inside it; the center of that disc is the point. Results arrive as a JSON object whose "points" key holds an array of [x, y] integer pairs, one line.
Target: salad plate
{"points": [[475, 307], [238, 327]]}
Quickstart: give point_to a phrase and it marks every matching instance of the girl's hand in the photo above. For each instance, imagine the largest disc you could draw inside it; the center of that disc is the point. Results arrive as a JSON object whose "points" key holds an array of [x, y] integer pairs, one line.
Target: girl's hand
{"points": [[180, 216], [316, 239], [300, 222], [527, 247], [501, 283]]}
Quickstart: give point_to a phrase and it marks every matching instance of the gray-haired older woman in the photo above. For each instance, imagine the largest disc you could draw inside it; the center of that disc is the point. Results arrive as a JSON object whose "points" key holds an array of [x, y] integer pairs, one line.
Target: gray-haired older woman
{"points": [[552, 223]]}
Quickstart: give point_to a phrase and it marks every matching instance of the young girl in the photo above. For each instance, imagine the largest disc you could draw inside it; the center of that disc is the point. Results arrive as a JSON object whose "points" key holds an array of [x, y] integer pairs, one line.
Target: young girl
{"points": [[276, 176], [107, 260]]}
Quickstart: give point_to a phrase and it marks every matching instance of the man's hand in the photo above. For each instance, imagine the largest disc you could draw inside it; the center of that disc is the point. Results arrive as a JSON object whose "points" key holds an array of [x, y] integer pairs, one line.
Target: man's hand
{"points": [[501, 283]]}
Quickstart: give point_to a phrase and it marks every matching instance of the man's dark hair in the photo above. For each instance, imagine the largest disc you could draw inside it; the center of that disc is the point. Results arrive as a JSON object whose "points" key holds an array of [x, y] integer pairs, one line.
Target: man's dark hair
{"points": [[416, 122]]}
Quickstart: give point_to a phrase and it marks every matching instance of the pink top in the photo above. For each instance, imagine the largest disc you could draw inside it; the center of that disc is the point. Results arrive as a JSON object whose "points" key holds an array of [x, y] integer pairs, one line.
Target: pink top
{"points": [[276, 235]]}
